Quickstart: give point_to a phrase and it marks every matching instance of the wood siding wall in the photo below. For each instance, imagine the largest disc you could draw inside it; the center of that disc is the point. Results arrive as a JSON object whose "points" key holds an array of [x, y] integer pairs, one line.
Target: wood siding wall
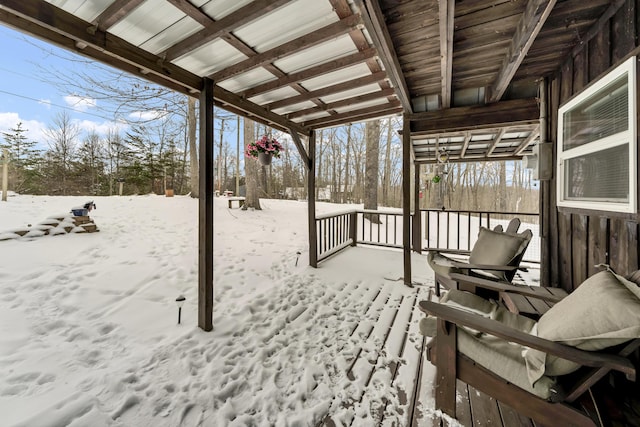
{"points": [[575, 241]]}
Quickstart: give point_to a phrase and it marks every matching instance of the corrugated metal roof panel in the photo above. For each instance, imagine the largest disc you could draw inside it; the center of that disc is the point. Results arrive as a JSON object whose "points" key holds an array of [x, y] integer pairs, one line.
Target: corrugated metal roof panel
{"points": [[210, 58], [274, 95], [245, 81], [294, 107], [343, 75], [313, 116], [319, 54], [85, 9], [362, 105], [165, 39], [220, 8], [137, 28], [351, 93], [287, 23]]}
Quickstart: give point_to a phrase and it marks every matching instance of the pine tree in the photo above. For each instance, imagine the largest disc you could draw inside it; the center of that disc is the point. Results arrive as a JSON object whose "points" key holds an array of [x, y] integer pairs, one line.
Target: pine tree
{"points": [[24, 172]]}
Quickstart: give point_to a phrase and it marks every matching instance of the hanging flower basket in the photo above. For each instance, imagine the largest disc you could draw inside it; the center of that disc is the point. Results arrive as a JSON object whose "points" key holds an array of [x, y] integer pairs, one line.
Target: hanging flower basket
{"points": [[265, 158], [264, 149]]}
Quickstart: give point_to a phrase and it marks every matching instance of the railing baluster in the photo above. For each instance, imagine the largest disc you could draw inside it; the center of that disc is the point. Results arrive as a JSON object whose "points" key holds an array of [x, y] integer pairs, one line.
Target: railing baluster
{"points": [[448, 230], [469, 230], [458, 231]]}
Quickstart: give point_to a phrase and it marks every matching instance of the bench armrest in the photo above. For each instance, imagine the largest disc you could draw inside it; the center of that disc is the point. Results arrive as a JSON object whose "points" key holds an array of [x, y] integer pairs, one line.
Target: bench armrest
{"points": [[495, 328], [468, 266], [498, 286]]}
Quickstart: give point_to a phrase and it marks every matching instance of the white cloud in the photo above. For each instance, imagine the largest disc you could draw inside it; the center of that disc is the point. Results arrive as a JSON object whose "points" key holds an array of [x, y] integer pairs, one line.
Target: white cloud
{"points": [[45, 102], [80, 103], [148, 115], [101, 128], [35, 129]]}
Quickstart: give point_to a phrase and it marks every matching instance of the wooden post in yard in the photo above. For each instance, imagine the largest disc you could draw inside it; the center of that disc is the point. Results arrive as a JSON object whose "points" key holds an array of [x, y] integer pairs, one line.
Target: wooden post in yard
{"points": [[205, 211], [5, 174]]}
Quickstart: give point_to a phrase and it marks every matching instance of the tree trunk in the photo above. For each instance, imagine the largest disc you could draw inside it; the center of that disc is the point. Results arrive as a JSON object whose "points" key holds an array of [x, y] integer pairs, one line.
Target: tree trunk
{"points": [[387, 167], [193, 147], [347, 172], [251, 169], [372, 137]]}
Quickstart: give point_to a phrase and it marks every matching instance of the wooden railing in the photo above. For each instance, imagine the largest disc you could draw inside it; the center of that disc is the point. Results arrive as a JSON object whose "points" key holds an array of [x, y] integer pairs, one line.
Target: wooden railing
{"points": [[458, 230], [437, 230]]}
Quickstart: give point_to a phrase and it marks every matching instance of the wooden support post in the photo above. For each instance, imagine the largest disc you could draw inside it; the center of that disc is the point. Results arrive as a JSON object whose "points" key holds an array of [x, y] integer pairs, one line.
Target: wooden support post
{"points": [[205, 228], [406, 199], [545, 196], [5, 174], [311, 197], [353, 228], [417, 215]]}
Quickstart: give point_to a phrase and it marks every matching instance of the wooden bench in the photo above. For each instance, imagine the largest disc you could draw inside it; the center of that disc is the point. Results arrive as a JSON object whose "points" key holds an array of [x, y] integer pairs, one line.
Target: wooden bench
{"points": [[238, 199]]}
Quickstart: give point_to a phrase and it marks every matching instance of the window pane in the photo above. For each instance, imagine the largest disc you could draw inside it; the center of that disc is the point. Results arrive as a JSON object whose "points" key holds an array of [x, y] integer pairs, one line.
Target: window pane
{"points": [[601, 176], [603, 114]]}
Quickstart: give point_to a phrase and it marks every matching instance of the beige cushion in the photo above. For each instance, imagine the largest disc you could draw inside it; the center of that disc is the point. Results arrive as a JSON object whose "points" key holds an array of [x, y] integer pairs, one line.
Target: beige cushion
{"points": [[602, 312], [496, 248], [495, 354], [505, 360]]}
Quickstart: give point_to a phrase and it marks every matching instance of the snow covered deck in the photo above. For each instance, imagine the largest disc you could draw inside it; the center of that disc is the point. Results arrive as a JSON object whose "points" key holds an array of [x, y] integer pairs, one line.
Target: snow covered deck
{"points": [[89, 333]]}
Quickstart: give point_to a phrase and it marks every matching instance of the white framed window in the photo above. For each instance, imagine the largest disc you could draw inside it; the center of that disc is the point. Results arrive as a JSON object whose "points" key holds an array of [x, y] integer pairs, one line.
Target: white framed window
{"points": [[597, 145]]}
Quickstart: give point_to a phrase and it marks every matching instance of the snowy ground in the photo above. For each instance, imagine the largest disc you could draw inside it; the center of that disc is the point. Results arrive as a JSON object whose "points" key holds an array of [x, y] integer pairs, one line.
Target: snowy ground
{"points": [[88, 323]]}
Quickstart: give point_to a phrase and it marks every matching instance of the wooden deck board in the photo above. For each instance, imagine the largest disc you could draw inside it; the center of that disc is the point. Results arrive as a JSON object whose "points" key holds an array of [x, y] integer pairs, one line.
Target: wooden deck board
{"points": [[391, 356]]}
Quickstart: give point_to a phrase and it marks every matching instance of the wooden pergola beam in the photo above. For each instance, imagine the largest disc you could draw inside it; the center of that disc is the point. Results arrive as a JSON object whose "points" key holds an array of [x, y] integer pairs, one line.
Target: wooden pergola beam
{"points": [[446, 23], [319, 36], [374, 22], [474, 158], [301, 150], [192, 12], [115, 13], [465, 144], [356, 115], [380, 94], [496, 141], [533, 18], [214, 29], [309, 73], [533, 135], [597, 27], [328, 90], [505, 113], [41, 18]]}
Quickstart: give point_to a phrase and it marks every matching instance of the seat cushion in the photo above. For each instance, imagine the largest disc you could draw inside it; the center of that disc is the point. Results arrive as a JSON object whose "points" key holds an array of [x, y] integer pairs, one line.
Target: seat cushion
{"points": [[505, 360], [603, 311], [495, 248]]}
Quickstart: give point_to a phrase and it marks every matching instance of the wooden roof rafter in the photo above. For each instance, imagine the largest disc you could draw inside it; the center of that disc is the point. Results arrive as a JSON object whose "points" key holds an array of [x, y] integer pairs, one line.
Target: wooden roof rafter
{"points": [[312, 72], [532, 136], [446, 25], [530, 24], [388, 109], [498, 137], [374, 22], [214, 29], [114, 13], [301, 43], [328, 90]]}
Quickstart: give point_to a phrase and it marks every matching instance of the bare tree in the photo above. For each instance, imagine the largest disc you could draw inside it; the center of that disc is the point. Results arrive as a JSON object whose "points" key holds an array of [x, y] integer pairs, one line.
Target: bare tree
{"points": [[372, 130], [193, 146], [62, 136]]}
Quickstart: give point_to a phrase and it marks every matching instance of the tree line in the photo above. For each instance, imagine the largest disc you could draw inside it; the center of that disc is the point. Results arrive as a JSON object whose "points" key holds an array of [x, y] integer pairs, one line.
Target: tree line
{"points": [[154, 148], [358, 163]]}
